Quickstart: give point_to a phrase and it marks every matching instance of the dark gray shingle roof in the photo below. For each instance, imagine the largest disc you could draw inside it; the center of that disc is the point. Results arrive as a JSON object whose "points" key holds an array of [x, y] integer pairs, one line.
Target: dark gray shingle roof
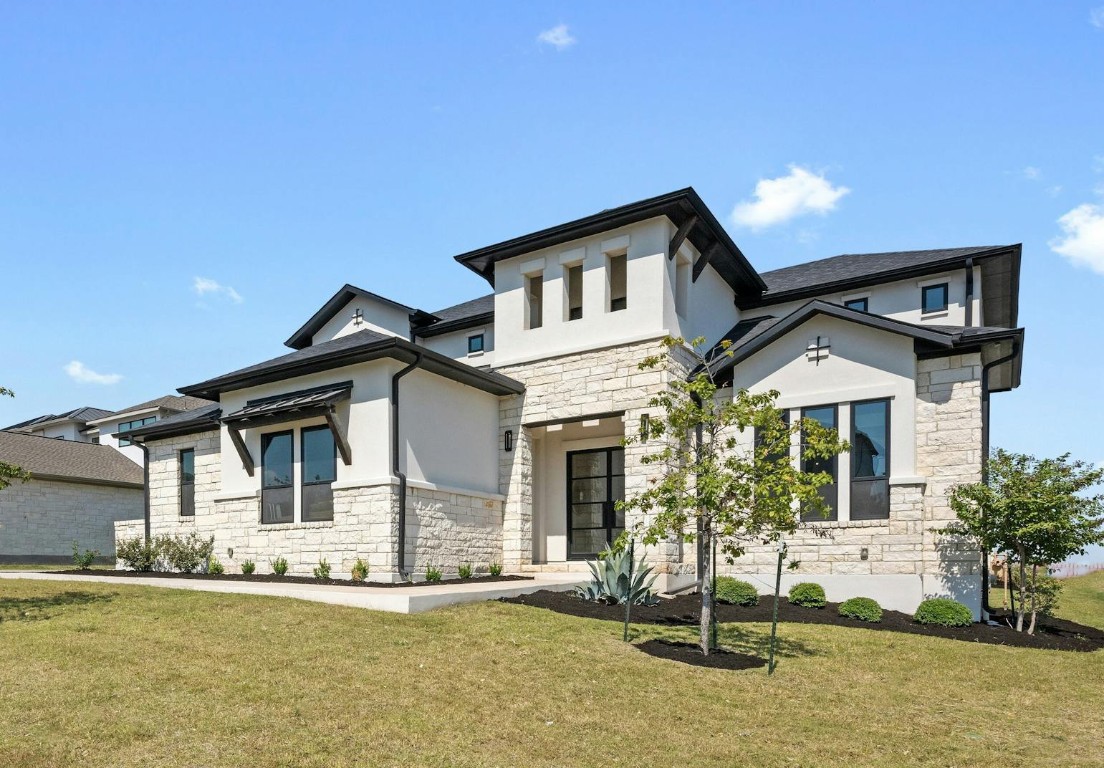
{"points": [[196, 420], [481, 306], [82, 415], [168, 402], [49, 458]]}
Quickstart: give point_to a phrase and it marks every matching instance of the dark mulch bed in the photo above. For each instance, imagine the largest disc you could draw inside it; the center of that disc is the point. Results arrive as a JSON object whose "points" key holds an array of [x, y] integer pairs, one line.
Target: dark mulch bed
{"points": [[685, 610], [688, 653], [273, 578]]}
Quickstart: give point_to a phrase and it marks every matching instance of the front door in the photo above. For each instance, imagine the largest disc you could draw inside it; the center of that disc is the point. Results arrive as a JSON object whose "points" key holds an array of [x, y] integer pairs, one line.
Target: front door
{"points": [[595, 481]]}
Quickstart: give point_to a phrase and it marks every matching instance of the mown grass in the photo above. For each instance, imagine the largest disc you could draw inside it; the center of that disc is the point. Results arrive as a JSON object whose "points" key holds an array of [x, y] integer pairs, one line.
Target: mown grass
{"points": [[98, 675]]}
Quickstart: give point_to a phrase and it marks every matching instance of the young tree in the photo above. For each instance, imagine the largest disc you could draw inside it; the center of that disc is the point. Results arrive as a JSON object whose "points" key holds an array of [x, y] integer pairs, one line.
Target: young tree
{"points": [[1035, 512], [9, 472], [715, 486]]}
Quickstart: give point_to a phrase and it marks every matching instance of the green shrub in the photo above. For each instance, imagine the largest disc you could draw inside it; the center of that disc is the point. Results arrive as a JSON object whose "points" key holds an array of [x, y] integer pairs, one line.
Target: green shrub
{"points": [[495, 569], [138, 554], [1047, 590], [736, 592], [84, 560], [280, 566], [943, 611], [214, 567], [465, 570], [432, 573], [186, 554], [861, 608], [248, 567], [322, 571], [808, 595], [360, 570]]}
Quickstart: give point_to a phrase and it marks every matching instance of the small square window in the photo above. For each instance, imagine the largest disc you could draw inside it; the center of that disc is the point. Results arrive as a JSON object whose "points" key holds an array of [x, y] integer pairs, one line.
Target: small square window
{"points": [[933, 298], [862, 304], [475, 344]]}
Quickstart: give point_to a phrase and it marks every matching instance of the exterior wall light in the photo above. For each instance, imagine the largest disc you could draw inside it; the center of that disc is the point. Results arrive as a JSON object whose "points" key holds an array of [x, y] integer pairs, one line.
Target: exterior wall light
{"points": [[508, 442], [645, 426], [864, 554]]}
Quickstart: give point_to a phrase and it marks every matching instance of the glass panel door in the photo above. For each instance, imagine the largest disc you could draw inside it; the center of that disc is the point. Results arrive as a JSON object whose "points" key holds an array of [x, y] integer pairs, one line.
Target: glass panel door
{"points": [[595, 482]]}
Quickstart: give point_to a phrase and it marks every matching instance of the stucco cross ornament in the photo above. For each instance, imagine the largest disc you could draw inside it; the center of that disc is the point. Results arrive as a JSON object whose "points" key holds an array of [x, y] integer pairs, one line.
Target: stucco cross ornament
{"points": [[818, 349]]}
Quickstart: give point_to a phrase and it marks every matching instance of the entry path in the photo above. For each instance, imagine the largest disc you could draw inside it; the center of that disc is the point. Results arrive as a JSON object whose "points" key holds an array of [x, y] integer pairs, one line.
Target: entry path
{"points": [[393, 599]]}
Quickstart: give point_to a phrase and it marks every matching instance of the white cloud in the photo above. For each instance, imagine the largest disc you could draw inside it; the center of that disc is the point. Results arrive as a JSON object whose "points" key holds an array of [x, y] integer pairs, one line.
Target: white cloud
{"points": [[78, 371], [1031, 172], [787, 197], [1096, 17], [204, 285], [558, 37], [1082, 240]]}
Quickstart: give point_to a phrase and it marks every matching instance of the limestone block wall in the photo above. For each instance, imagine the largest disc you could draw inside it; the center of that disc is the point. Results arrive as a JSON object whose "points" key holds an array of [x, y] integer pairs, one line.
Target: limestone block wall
{"points": [[445, 528], [40, 519], [575, 386]]}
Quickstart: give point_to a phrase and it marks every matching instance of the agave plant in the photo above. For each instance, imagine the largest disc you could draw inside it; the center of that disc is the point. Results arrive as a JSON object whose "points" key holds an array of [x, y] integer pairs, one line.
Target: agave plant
{"points": [[612, 584]]}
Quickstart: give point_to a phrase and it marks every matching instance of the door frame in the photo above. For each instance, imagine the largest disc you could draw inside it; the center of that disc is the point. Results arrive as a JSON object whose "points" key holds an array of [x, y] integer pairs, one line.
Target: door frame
{"points": [[608, 511]]}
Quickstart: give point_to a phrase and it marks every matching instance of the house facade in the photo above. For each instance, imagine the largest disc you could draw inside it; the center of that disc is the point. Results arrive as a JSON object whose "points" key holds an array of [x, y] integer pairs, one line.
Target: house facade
{"points": [[491, 431]]}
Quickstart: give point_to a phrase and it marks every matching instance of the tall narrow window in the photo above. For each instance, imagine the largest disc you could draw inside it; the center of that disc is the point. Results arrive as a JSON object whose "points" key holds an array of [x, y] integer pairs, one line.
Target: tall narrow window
{"points": [[870, 460], [534, 299], [824, 415], [187, 482], [277, 494], [933, 298], [573, 279], [682, 285], [618, 283], [319, 471]]}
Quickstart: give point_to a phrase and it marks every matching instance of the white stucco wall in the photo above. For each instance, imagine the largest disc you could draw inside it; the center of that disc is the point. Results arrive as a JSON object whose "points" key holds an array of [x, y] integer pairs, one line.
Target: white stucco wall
{"points": [[378, 316], [109, 428], [455, 345], [449, 433], [40, 519], [67, 430]]}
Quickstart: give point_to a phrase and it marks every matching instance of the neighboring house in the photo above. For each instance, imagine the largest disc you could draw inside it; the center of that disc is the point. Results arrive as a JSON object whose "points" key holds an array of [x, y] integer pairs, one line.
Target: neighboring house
{"points": [[77, 491], [491, 431], [111, 428], [73, 425]]}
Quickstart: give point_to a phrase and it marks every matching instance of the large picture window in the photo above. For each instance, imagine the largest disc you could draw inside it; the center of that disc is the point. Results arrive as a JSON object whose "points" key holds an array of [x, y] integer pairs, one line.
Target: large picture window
{"points": [[870, 460], [319, 471], [277, 494], [187, 482], [825, 415]]}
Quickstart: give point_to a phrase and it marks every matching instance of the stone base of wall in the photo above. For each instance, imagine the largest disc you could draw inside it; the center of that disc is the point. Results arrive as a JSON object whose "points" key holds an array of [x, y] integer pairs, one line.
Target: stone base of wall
{"points": [[445, 529]]}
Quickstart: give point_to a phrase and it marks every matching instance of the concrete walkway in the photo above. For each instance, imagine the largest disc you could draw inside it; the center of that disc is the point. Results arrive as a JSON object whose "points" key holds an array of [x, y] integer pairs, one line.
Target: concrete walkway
{"points": [[393, 599]]}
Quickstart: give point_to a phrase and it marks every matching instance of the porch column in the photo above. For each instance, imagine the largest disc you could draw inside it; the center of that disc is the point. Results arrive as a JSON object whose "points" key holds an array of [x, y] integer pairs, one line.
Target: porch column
{"points": [[516, 483]]}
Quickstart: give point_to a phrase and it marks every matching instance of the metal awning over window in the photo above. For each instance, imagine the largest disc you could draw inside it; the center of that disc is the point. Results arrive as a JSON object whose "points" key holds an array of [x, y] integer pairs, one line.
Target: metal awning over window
{"points": [[292, 406]]}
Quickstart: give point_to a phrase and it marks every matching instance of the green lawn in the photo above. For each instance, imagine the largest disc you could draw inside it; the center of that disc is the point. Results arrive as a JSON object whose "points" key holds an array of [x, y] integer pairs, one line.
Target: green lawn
{"points": [[106, 675]]}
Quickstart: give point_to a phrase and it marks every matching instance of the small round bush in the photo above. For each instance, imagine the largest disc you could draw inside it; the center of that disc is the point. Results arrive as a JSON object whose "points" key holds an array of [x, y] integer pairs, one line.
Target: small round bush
{"points": [[807, 595], [945, 612], [861, 608], [736, 592]]}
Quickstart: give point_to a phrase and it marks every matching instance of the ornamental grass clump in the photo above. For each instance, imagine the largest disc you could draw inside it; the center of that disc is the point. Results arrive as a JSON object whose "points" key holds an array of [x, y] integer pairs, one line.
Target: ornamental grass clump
{"points": [[495, 569], [807, 595], [465, 570], [736, 592], [433, 573], [861, 608], [943, 612]]}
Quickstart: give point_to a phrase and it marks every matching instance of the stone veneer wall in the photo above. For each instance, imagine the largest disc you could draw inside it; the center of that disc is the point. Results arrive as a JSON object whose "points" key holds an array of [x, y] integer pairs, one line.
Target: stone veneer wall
{"points": [[575, 386], [444, 527], [40, 519], [948, 452]]}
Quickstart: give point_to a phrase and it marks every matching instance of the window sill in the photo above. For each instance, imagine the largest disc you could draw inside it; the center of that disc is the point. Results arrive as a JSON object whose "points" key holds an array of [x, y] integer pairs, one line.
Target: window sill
{"points": [[295, 526], [939, 313], [837, 524]]}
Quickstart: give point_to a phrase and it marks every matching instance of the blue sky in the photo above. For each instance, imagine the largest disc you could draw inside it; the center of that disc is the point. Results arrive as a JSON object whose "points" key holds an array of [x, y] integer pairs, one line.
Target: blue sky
{"points": [[277, 151]]}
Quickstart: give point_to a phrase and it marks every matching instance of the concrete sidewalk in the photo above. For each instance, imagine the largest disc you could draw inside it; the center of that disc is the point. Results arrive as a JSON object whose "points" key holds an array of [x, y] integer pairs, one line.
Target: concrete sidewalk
{"points": [[393, 599]]}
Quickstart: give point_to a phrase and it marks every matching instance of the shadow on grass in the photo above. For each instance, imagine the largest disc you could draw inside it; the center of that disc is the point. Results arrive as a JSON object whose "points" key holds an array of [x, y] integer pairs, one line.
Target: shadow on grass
{"points": [[42, 608]]}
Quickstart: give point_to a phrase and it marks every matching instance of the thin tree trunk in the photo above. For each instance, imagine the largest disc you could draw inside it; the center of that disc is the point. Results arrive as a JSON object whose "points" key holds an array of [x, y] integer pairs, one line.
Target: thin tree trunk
{"points": [[1020, 590], [1034, 576], [707, 590]]}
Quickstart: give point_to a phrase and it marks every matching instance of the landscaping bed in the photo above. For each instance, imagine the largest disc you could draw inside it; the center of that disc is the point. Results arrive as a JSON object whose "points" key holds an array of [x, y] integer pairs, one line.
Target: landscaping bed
{"points": [[690, 653], [685, 610], [273, 578]]}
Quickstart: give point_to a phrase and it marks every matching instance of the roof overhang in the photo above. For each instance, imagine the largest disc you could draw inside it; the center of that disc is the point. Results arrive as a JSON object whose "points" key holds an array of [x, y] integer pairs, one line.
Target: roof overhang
{"points": [[123, 416], [302, 337], [201, 420], [391, 347], [291, 406], [684, 208], [455, 325]]}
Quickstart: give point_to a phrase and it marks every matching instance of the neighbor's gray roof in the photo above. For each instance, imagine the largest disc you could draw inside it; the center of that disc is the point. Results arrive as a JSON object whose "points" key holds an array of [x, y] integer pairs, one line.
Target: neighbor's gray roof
{"points": [[49, 458], [825, 274], [183, 423], [461, 315], [168, 402], [83, 415]]}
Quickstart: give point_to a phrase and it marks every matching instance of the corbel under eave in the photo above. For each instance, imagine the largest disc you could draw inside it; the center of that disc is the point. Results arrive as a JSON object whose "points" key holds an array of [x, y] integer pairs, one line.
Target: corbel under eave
{"points": [[340, 432], [239, 446]]}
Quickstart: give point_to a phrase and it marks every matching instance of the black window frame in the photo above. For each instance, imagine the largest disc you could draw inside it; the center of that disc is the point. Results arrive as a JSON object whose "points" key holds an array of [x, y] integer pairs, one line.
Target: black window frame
{"points": [[888, 402], [304, 483], [618, 303], [534, 301], [127, 426], [832, 487], [609, 512], [924, 308], [573, 280], [187, 487], [480, 340], [267, 438], [865, 301]]}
